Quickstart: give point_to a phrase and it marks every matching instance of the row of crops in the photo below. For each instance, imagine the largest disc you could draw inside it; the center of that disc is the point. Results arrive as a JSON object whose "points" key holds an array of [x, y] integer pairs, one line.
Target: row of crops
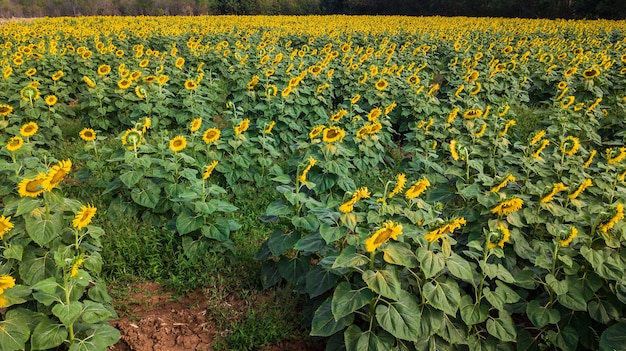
{"points": [[492, 215]]}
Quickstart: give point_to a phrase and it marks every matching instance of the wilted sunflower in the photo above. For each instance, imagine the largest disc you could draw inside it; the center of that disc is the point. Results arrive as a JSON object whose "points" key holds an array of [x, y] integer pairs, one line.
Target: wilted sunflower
{"points": [[124, 83], [140, 92], [103, 70], [211, 135], [190, 84], [31, 187], [5, 110], [29, 129], [333, 134], [381, 84], [271, 91], [195, 124], [15, 143], [498, 237], [178, 143], [51, 100], [84, 216], [87, 134], [56, 174]]}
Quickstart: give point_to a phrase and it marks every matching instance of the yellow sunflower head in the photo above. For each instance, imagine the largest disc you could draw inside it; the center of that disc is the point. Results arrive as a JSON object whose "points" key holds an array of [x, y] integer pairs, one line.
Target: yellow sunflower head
{"points": [[31, 187], [124, 83], [381, 84], [58, 75], [87, 134], [15, 143], [190, 84], [103, 70], [195, 124], [84, 216], [51, 100], [56, 174], [29, 129], [591, 73], [211, 135], [178, 143], [5, 110], [333, 134]]}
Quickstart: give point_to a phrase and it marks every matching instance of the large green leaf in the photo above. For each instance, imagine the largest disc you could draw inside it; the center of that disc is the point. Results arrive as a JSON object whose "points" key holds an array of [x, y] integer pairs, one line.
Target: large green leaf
{"points": [[68, 314], [430, 262], [603, 311], [614, 337], [42, 229], [540, 315], [35, 268], [293, 269], [309, 223], [94, 312], [443, 296], [14, 331], [27, 205], [147, 194], [325, 324], [187, 222], [401, 318], [281, 241], [319, 281], [102, 337], [310, 243], [384, 282], [48, 335], [331, 233], [131, 178], [345, 301], [356, 340], [400, 254], [473, 313], [573, 299], [349, 258], [502, 327], [459, 267]]}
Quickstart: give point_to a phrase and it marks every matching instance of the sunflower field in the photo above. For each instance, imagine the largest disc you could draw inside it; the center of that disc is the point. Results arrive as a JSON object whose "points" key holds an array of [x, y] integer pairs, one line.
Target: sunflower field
{"points": [[490, 216]]}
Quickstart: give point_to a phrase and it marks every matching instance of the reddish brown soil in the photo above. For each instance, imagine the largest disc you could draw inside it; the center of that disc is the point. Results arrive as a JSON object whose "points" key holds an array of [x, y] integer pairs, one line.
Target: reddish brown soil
{"points": [[152, 319]]}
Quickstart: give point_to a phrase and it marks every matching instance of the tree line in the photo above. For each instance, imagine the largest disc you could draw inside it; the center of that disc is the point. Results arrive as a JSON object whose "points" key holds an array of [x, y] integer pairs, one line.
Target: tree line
{"points": [[567, 9]]}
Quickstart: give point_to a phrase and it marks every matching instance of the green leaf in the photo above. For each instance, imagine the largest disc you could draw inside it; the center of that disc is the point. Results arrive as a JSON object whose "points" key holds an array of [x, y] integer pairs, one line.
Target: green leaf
{"points": [[356, 340], [384, 282], [430, 262], [319, 281], [27, 205], [68, 314], [219, 230], [540, 315], [48, 335], [41, 229], [603, 311], [345, 301], [48, 285], [496, 300], [14, 331], [453, 331], [222, 206], [558, 286], [33, 268], [497, 271], [94, 312], [293, 269], [401, 318], [502, 327], [349, 258], [473, 313], [308, 223], [279, 209], [567, 339], [573, 299], [325, 324], [281, 241], [400, 254], [614, 337], [14, 251], [131, 178], [443, 296], [187, 222], [331, 233], [310, 243], [147, 194], [459, 267]]}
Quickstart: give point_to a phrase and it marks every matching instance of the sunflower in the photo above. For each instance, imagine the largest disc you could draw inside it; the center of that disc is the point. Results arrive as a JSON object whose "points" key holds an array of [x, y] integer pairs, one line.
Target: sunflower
{"points": [[316, 131], [144, 63], [5, 110], [195, 124], [390, 107], [507, 207], [74, 269], [562, 85], [590, 73], [30, 72], [472, 113], [87, 134], [149, 79], [162, 79], [178, 143], [140, 92], [90, 83], [381, 84], [333, 134], [147, 124], [374, 114], [584, 185], [302, 176], [355, 99], [269, 128], [590, 159], [132, 138], [31, 187], [211, 135], [498, 237], [179, 62], [570, 145], [5, 225], [271, 91], [388, 230], [124, 83], [208, 170], [315, 70], [453, 151], [87, 54], [567, 102], [15, 143], [119, 53], [56, 174], [447, 228], [565, 238], [51, 100], [339, 115], [6, 282], [286, 92], [57, 75], [29, 129], [103, 70], [417, 188], [190, 84], [135, 75], [84, 216], [558, 187], [400, 183], [617, 216], [29, 93], [242, 126]]}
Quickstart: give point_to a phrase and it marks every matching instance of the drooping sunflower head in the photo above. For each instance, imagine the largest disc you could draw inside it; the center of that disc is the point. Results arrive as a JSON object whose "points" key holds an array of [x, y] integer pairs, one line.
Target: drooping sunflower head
{"points": [[56, 174], [178, 143], [209, 169], [90, 83], [5, 225], [570, 145], [87, 134], [211, 135], [389, 230], [242, 126], [15, 143], [141, 92], [29, 129]]}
